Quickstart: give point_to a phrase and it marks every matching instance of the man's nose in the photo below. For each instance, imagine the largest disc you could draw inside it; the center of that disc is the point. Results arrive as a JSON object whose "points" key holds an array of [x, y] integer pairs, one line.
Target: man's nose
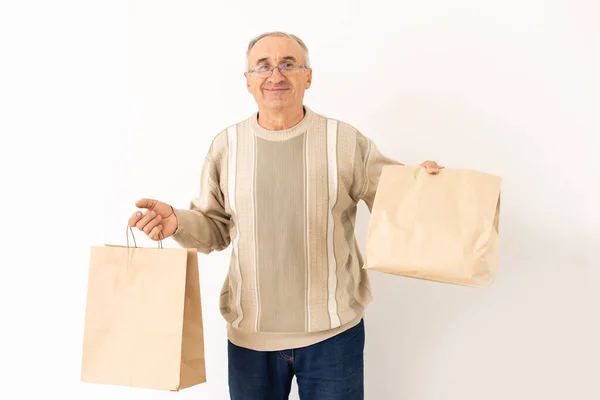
{"points": [[276, 76]]}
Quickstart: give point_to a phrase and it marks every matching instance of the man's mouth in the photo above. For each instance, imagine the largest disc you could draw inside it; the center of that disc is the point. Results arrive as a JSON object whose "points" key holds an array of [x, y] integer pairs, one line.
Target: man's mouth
{"points": [[276, 89]]}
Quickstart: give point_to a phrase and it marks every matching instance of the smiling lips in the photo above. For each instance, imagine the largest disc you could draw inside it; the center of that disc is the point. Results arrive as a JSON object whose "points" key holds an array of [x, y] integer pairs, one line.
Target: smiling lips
{"points": [[276, 89]]}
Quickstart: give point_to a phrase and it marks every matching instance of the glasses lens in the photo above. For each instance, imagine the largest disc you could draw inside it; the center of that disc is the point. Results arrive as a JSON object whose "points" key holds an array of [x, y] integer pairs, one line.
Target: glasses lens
{"points": [[264, 71], [288, 68]]}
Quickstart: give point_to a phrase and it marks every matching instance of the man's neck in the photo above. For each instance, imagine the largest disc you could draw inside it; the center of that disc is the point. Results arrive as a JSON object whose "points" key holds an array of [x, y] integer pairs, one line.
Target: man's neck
{"points": [[278, 120]]}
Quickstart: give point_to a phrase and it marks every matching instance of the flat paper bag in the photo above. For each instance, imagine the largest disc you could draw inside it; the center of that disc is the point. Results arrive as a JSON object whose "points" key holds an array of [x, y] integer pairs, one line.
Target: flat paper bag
{"points": [[441, 227], [143, 322]]}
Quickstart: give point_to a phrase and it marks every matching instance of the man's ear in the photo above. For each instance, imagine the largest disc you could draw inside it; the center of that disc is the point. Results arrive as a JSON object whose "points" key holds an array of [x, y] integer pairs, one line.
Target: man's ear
{"points": [[247, 75], [308, 77]]}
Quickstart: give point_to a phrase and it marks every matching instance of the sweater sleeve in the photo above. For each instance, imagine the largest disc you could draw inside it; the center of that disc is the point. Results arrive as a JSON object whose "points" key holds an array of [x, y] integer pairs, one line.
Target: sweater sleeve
{"points": [[205, 224], [368, 166]]}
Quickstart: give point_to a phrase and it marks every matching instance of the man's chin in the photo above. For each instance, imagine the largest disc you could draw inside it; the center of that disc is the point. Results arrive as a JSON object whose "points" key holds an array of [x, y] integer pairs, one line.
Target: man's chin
{"points": [[277, 104]]}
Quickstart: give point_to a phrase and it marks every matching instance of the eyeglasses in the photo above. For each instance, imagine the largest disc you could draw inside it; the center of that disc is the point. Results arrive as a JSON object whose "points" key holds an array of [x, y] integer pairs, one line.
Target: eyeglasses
{"points": [[286, 69]]}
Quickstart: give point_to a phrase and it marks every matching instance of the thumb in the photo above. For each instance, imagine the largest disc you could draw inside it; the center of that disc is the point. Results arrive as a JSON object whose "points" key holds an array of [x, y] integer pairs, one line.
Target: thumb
{"points": [[146, 203]]}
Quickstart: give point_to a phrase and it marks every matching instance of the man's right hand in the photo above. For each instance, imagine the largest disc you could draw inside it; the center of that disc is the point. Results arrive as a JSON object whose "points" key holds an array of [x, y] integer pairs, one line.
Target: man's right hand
{"points": [[158, 221]]}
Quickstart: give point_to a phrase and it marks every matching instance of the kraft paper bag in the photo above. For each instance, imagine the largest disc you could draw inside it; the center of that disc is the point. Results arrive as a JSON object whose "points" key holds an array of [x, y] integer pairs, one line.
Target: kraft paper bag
{"points": [[441, 227], [143, 321]]}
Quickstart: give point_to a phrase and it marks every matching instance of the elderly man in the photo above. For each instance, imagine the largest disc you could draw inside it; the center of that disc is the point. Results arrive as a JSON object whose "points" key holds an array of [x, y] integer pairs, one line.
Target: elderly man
{"points": [[282, 187]]}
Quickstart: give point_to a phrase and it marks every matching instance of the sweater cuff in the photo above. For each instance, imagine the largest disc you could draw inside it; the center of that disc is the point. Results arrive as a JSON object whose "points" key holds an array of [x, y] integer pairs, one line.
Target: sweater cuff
{"points": [[185, 221]]}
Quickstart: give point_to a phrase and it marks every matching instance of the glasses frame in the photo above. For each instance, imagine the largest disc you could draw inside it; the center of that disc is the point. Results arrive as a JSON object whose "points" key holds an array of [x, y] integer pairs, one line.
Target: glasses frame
{"points": [[273, 67]]}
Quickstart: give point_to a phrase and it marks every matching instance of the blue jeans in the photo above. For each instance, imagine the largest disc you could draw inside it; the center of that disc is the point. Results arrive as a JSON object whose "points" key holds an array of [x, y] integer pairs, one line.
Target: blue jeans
{"points": [[329, 370]]}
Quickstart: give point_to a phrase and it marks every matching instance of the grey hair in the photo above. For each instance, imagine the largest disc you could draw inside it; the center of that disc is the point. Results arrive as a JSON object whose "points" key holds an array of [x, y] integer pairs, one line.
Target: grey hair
{"points": [[278, 34]]}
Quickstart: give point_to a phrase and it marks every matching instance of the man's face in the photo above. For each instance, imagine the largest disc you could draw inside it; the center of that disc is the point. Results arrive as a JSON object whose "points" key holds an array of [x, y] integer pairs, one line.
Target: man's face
{"points": [[277, 91]]}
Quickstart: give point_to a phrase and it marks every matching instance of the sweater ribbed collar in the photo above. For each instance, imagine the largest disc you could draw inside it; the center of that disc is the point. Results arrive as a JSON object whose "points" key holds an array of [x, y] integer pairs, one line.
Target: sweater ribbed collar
{"points": [[284, 134]]}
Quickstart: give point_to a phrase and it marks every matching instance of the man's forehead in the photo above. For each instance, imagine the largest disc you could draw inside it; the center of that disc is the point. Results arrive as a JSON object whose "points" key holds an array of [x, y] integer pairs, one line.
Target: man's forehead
{"points": [[276, 59], [276, 49]]}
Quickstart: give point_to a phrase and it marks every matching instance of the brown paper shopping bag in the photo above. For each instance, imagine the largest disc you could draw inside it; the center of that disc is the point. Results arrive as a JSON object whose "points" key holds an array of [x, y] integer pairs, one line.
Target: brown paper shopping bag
{"points": [[143, 322], [440, 227]]}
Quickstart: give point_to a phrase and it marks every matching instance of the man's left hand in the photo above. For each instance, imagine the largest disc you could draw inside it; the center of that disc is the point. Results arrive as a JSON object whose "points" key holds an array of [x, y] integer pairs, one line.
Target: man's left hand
{"points": [[432, 167]]}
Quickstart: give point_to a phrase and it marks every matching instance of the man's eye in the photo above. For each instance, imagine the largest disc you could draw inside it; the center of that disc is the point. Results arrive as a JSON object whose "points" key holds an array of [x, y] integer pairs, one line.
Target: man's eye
{"points": [[262, 68], [288, 65]]}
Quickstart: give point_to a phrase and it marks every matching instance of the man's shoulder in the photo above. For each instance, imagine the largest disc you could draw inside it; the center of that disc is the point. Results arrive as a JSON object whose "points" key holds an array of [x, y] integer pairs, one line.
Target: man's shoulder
{"points": [[238, 125], [219, 141], [219, 144], [344, 127]]}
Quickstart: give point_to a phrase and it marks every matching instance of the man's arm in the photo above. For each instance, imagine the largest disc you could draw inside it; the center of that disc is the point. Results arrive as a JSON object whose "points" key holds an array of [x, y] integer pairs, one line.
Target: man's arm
{"points": [[369, 163], [205, 224]]}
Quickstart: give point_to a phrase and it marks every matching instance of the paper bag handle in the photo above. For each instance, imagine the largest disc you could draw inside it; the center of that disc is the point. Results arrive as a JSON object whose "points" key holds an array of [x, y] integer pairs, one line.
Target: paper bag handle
{"points": [[160, 246]]}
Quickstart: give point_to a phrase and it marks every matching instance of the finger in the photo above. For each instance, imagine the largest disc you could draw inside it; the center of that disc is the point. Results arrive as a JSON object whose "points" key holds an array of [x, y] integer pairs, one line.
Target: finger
{"points": [[150, 225], [147, 217], [135, 217], [433, 169], [146, 203], [155, 232]]}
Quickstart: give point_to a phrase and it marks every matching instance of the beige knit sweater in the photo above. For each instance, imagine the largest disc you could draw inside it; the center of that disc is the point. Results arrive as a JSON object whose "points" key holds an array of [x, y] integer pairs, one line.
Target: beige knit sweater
{"points": [[286, 201]]}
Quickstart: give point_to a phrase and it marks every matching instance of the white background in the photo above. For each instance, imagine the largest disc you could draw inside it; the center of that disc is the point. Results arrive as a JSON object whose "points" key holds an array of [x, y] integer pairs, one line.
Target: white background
{"points": [[103, 104]]}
